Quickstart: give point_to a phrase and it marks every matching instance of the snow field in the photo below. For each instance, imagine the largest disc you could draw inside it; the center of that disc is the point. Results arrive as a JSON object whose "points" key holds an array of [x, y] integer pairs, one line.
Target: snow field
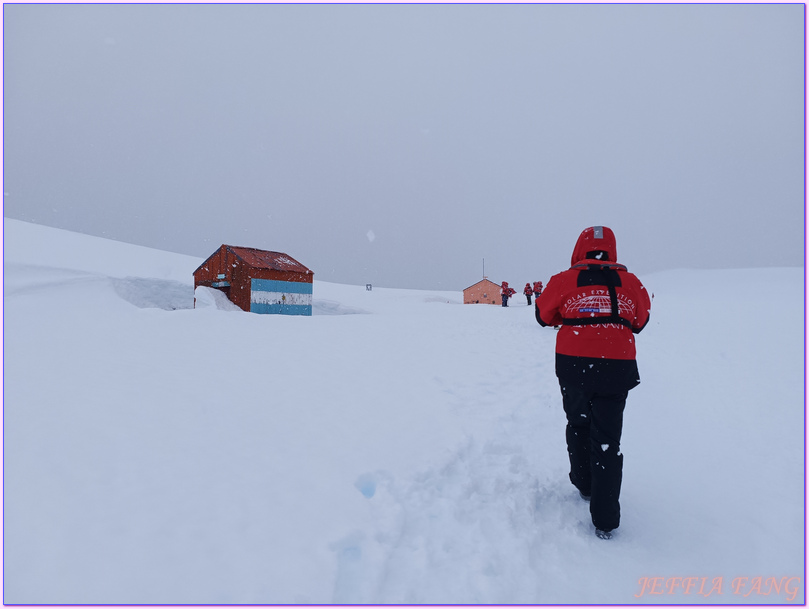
{"points": [[396, 447]]}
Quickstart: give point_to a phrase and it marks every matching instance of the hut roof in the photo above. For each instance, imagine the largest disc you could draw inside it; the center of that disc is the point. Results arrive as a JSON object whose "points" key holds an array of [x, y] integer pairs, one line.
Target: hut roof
{"points": [[484, 280], [262, 259]]}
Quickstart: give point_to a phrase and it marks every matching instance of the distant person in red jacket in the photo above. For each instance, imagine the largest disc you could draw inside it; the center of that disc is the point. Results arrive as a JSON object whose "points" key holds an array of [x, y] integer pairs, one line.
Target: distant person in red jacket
{"points": [[600, 307], [528, 291], [506, 292], [537, 288]]}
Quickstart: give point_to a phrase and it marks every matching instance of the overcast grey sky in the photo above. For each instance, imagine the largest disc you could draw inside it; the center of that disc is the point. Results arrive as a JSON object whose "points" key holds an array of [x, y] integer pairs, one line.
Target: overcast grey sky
{"points": [[402, 144]]}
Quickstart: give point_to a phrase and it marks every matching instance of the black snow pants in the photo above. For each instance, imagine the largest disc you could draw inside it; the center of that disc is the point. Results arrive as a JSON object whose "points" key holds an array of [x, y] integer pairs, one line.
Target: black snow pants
{"points": [[594, 422]]}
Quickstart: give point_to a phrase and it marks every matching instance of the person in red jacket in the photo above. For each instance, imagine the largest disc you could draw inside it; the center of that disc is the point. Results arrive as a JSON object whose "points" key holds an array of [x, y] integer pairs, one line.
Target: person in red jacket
{"points": [[528, 291], [506, 292], [537, 288], [600, 308]]}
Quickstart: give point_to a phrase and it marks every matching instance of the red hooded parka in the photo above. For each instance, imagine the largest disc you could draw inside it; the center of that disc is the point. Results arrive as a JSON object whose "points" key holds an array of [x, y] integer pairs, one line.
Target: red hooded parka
{"points": [[600, 306]]}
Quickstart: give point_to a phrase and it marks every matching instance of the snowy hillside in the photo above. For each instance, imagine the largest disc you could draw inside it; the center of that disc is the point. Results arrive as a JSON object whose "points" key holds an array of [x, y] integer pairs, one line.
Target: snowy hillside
{"points": [[395, 447]]}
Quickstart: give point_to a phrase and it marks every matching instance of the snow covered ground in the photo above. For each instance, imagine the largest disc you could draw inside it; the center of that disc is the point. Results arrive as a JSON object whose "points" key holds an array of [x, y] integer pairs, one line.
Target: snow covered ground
{"points": [[395, 447]]}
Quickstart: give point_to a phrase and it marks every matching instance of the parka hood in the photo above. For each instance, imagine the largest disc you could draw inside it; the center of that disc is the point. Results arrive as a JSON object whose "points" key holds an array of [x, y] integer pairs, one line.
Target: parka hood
{"points": [[595, 243]]}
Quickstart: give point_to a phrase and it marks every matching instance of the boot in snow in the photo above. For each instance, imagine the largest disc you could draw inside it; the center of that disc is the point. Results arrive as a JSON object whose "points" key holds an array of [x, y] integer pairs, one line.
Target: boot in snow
{"points": [[602, 534]]}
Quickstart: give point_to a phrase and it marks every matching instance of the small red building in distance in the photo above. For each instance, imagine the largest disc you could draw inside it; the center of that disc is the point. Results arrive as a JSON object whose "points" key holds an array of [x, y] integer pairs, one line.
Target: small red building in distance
{"points": [[258, 281], [483, 292]]}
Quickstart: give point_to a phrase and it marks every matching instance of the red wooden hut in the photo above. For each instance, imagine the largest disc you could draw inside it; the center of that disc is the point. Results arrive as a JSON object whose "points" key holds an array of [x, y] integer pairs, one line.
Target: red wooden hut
{"points": [[258, 281], [483, 292]]}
